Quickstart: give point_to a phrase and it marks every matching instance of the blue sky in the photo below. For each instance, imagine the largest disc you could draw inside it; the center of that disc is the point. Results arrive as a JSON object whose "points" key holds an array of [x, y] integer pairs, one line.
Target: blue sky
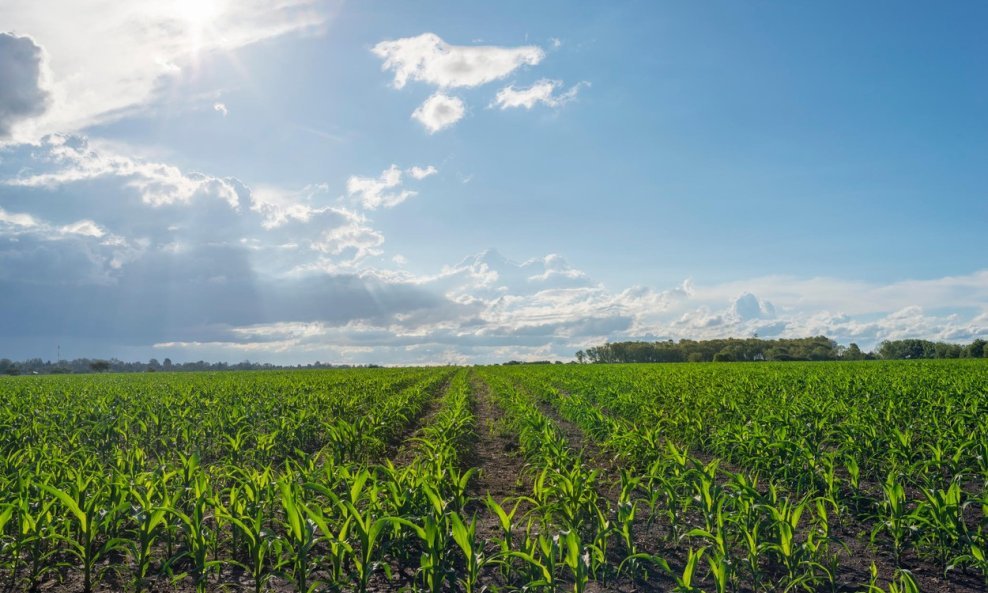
{"points": [[463, 182]]}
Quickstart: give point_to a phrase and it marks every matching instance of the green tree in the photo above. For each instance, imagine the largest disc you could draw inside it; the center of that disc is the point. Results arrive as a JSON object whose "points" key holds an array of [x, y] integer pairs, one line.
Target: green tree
{"points": [[853, 352]]}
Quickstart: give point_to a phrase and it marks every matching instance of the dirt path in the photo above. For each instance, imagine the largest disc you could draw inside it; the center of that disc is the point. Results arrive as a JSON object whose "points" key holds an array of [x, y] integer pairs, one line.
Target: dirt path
{"points": [[495, 452], [403, 451], [501, 473]]}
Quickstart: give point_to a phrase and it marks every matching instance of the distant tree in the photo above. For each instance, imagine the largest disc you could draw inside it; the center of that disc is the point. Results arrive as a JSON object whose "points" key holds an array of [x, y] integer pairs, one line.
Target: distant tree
{"points": [[581, 356], [8, 367], [167, 364], [694, 357], [853, 352], [99, 366], [778, 353], [723, 356], [977, 349]]}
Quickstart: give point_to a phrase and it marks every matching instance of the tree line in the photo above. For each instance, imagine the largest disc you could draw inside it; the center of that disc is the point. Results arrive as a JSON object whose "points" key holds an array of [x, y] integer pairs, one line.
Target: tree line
{"points": [[37, 366], [784, 349], [720, 350]]}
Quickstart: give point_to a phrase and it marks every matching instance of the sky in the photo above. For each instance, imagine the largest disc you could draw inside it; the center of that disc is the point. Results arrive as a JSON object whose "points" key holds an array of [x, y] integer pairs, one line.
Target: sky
{"points": [[463, 182]]}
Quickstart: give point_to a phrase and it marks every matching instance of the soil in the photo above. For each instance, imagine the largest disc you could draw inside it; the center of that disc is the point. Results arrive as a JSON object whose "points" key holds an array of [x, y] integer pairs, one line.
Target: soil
{"points": [[501, 468]]}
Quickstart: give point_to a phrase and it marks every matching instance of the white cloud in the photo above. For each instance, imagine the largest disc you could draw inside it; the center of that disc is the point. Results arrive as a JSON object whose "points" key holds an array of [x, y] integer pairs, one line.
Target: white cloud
{"points": [[107, 58], [280, 207], [23, 72], [85, 228], [490, 309], [422, 173], [221, 109], [17, 219], [439, 112], [74, 159], [76, 233], [358, 240], [13, 223], [427, 58], [373, 193], [119, 198], [195, 263], [385, 191], [543, 91]]}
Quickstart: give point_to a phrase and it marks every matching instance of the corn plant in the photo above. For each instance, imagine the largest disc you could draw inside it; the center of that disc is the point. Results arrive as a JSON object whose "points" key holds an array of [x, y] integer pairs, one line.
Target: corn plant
{"points": [[299, 537], [895, 518], [465, 536], [83, 500], [367, 529], [941, 516], [199, 535], [150, 513]]}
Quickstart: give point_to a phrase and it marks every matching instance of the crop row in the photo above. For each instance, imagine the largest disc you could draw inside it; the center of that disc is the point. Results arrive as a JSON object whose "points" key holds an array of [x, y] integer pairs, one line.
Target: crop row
{"points": [[133, 488], [898, 456]]}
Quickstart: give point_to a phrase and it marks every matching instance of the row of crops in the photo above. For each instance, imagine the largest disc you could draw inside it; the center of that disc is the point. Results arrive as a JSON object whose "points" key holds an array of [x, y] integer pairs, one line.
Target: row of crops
{"points": [[865, 477], [817, 477]]}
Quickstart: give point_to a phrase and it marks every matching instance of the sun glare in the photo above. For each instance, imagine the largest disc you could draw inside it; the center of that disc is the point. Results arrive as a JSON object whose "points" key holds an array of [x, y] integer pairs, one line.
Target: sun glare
{"points": [[197, 13], [199, 18]]}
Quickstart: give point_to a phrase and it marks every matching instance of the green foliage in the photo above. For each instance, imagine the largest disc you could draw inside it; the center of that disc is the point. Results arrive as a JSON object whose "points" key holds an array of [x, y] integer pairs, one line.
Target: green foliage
{"points": [[683, 477], [721, 350]]}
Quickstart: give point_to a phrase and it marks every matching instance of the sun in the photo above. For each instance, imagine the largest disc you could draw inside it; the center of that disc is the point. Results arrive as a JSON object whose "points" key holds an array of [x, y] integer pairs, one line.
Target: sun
{"points": [[199, 14], [199, 20]]}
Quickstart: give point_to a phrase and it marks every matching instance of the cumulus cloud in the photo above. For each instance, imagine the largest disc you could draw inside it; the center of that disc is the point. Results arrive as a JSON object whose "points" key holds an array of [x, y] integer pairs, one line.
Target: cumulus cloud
{"points": [[73, 159], [279, 206], [357, 238], [747, 307], [543, 91], [23, 72], [113, 59], [77, 234], [439, 112], [221, 109], [427, 58], [208, 267]]}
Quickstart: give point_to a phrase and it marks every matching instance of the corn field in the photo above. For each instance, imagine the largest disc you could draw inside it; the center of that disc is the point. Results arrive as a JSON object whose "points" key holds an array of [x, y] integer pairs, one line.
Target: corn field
{"points": [[864, 477]]}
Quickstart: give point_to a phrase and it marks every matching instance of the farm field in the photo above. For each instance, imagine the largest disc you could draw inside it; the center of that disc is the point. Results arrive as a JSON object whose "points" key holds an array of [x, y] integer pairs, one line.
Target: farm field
{"points": [[865, 477]]}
